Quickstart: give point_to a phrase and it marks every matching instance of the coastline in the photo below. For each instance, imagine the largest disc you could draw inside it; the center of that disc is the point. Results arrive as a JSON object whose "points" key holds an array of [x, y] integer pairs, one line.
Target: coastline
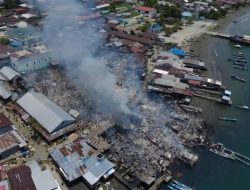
{"points": [[204, 48]]}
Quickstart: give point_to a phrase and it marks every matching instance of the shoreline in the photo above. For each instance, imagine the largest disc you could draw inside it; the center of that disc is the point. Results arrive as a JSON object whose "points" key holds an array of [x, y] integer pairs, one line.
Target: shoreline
{"points": [[204, 47]]}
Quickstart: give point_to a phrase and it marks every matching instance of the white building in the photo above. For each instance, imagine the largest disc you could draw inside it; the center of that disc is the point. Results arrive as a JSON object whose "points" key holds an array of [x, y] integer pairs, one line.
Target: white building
{"points": [[30, 60]]}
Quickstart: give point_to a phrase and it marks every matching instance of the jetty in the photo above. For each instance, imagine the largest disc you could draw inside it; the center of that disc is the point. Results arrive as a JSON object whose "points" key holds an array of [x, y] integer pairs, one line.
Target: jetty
{"points": [[234, 38], [218, 34], [220, 150]]}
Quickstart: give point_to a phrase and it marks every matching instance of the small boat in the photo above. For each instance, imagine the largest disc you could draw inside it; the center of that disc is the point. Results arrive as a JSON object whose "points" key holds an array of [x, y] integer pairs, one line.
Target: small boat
{"points": [[239, 56], [182, 185], [243, 107], [237, 46], [219, 150], [177, 186], [227, 119], [240, 60], [240, 67], [238, 78], [239, 64], [172, 187]]}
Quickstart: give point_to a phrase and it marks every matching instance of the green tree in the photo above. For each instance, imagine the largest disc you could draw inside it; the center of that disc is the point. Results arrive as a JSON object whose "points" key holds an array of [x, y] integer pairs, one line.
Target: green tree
{"points": [[145, 27], [10, 4], [4, 40], [150, 3], [170, 11]]}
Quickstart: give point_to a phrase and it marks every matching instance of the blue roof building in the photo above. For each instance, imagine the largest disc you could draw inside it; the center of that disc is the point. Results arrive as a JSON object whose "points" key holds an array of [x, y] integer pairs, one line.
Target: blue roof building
{"points": [[25, 36], [186, 15], [178, 52], [155, 28]]}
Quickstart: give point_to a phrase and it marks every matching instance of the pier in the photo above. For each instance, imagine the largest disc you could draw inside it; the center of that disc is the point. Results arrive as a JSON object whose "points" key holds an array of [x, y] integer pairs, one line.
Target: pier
{"points": [[218, 34], [220, 150]]}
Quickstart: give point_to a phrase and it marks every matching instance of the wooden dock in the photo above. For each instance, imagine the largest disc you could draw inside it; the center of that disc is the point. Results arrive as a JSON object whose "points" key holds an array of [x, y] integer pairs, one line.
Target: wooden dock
{"points": [[237, 156], [218, 34]]}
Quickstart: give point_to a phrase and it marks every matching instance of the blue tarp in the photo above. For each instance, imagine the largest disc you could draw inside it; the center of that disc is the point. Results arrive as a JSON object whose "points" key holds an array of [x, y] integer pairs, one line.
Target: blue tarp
{"points": [[177, 51]]}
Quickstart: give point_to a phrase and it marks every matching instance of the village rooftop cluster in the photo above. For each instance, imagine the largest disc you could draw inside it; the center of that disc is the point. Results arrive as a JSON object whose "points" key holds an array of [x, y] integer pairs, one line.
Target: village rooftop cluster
{"points": [[45, 143]]}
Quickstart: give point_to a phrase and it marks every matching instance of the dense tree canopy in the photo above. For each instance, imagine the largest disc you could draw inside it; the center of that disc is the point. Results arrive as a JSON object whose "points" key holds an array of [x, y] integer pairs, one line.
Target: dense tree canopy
{"points": [[9, 4], [150, 3]]}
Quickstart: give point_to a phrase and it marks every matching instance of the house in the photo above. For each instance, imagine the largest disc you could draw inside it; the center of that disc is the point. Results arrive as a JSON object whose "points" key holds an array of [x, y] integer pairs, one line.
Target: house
{"points": [[31, 177], [155, 28], [195, 64], [42, 179], [77, 160], [5, 52], [24, 37], [50, 118], [8, 74], [146, 10], [10, 141], [32, 59], [186, 15]]}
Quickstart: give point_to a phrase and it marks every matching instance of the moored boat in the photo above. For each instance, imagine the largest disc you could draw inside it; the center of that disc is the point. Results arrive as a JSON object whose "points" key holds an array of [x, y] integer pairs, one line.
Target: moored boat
{"points": [[228, 119], [243, 107], [239, 64], [182, 185], [240, 67], [237, 46], [238, 78], [172, 187]]}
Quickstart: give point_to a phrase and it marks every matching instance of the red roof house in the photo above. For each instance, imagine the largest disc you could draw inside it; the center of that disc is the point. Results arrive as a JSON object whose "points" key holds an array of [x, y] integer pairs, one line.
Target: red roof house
{"points": [[145, 9]]}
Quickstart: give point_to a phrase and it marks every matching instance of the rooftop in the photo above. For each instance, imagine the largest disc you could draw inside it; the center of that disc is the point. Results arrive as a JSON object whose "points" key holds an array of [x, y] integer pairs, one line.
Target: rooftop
{"points": [[49, 115], [11, 139], [20, 178], [43, 180], [40, 49], [146, 9], [7, 73], [5, 91], [21, 54], [77, 159], [4, 121], [4, 185]]}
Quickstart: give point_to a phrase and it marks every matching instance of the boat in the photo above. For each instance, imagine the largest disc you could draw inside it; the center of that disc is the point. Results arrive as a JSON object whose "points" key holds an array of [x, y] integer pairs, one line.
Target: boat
{"points": [[239, 64], [177, 186], [172, 187], [220, 150], [239, 60], [240, 67], [239, 56], [181, 185], [243, 107], [241, 39], [227, 119], [238, 78], [237, 46]]}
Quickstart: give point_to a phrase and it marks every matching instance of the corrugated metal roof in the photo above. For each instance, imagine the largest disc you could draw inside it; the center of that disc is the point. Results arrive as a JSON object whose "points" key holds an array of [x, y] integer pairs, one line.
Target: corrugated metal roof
{"points": [[9, 73], [42, 179], [20, 178], [5, 92], [47, 113], [4, 185]]}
